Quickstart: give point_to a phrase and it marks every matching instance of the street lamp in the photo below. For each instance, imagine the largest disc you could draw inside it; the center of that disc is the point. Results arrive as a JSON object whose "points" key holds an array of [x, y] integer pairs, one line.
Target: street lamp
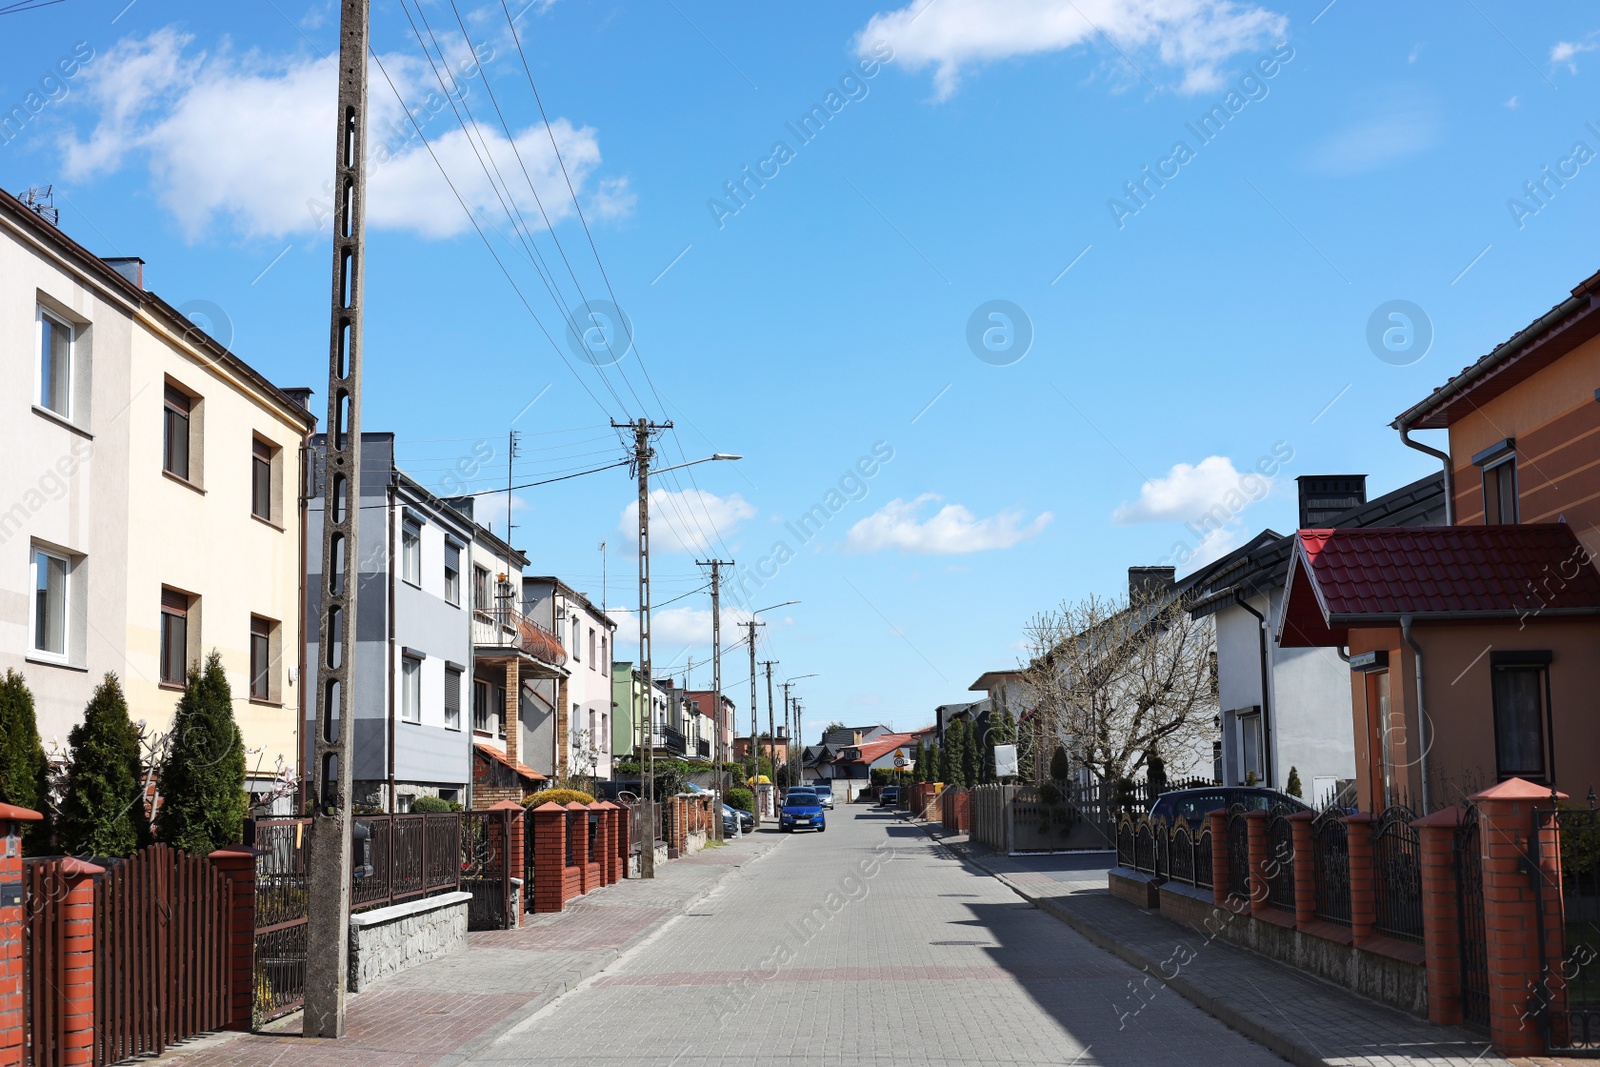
{"points": [[643, 431], [755, 759]]}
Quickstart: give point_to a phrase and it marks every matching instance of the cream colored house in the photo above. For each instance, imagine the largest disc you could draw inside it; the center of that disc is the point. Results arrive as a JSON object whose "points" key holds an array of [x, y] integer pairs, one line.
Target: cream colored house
{"points": [[149, 508]]}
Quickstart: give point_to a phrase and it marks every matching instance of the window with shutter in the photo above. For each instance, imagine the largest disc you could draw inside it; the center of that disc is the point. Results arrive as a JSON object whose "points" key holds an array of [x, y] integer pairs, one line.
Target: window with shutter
{"points": [[175, 432], [260, 658], [174, 636], [261, 479], [452, 699]]}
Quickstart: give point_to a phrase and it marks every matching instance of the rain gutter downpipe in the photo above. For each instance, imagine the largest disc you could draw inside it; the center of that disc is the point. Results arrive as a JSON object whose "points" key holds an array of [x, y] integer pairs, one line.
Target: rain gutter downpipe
{"points": [[1449, 470], [1422, 711], [1266, 701]]}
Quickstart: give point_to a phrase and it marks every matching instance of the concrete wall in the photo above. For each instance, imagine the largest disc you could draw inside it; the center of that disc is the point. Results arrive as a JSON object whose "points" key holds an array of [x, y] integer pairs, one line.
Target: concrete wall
{"points": [[387, 941]]}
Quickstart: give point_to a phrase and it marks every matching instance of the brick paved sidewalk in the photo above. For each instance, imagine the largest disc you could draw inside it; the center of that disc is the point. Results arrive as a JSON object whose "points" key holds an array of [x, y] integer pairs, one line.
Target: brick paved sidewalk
{"points": [[1301, 1018], [445, 1010]]}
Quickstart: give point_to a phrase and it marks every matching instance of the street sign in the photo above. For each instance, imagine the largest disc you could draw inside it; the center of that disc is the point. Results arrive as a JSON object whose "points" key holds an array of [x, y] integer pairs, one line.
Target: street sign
{"points": [[900, 758], [1005, 760]]}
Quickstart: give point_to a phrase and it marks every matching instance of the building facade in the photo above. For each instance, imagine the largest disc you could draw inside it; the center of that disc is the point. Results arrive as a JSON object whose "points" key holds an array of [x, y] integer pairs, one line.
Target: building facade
{"points": [[580, 732]]}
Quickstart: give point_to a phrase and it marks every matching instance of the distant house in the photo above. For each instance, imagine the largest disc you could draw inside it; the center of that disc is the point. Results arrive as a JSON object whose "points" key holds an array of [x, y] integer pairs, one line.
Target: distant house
{"points": [[854, 764], [705, 701], [1303, 720], [576, 731]]}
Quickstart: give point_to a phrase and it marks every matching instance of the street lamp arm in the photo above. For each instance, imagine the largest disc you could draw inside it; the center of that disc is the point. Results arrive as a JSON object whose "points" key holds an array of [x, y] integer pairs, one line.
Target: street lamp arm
{"points": [[692, 462]]}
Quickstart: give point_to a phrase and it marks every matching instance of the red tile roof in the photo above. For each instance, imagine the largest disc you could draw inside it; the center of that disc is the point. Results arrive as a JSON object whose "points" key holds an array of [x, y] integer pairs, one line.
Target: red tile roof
{"points": [[877, 748], [522, 769], [1372, 577]]}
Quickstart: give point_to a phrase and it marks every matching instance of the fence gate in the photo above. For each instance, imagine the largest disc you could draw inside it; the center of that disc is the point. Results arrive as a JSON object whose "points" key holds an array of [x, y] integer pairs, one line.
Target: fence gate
{"points": [[1474, 955], [486, 869], [1571, 1009], [282, 895], [161, 938]]}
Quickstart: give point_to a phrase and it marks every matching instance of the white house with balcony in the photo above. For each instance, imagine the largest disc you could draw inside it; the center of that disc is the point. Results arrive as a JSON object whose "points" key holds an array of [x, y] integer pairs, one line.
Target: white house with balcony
{"points": [[581, 705]]}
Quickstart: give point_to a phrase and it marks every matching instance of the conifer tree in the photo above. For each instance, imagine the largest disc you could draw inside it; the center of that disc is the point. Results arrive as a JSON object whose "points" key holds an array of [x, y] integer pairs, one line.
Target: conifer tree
{"points": [[1293, 787], [24, 771], [203, 802], [102, 813], [1060, 764], [972, 757], [935, 768]]}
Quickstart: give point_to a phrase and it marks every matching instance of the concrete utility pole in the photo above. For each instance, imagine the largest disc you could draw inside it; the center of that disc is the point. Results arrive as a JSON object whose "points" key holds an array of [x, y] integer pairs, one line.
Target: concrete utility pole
{"points": [[718, 758], [755, 755], [643, 431], [772, 737], [328, 863], [794, 735]]}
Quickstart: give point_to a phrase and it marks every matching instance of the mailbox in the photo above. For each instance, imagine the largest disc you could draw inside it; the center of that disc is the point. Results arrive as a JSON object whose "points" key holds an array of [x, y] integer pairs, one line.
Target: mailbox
{"points": [[360, 849]]}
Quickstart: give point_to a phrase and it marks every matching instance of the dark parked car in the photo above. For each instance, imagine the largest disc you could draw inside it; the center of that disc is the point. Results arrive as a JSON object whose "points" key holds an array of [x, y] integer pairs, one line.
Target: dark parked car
{"points": [[1193, 804], [746, 821], [802, 811], [888, 796]]}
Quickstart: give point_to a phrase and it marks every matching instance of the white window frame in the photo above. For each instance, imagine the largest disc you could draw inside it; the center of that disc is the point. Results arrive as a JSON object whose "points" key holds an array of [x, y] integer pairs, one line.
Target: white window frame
{"points": [[34, 649], [72, 362], [452, 590], [410, 689], [452, 723], [411, 552]]}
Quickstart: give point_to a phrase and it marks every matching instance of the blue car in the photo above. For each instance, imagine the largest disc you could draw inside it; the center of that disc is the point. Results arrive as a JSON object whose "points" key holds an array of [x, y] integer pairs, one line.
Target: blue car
{"points": [[802, 810]]}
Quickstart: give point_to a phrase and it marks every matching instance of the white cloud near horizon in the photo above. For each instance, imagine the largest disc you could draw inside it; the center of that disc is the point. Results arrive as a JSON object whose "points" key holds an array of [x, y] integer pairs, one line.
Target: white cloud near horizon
{"points": [[1189, 490], [1194, 37], [687, 521], [243, 141], [951, 530]]}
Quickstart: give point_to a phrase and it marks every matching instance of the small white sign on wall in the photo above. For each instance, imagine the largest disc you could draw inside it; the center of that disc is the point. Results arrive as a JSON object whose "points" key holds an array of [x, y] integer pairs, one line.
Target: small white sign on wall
{"points": [[1005, 760]]}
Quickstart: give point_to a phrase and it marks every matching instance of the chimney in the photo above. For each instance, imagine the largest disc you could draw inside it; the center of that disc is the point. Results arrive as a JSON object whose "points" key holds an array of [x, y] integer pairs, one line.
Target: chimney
{"points": [[300, 394], [1146, 583], [130, 267], [1324, 496]]}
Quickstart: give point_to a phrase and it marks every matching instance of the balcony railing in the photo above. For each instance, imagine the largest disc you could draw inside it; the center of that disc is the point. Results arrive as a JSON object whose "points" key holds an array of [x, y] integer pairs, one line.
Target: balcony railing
{"points": [[672, 740], [703, 749], [504, 627]]}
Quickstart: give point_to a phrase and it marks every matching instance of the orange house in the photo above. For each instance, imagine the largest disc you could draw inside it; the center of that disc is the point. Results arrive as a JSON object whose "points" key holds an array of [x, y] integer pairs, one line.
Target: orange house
{"points": [[1475, 647]]}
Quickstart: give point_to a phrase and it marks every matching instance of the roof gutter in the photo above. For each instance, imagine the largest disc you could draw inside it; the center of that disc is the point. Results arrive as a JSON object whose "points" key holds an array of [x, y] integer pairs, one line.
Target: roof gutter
{"points": [[1449, 469], [1422, 711]]}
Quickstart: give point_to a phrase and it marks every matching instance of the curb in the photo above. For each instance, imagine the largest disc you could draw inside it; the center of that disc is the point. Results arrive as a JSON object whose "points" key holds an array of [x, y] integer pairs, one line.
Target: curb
{"points": [[1293, 1051]]}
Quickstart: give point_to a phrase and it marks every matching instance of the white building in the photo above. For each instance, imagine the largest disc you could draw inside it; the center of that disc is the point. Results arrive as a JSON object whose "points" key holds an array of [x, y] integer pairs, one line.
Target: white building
{"points": [[581, 738]]}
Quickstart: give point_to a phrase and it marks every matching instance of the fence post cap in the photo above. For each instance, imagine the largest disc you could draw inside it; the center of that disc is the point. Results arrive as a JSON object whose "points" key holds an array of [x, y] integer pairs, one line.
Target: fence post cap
{"points": [[1518, 789], [604, 805], [73, 866], [1303, 816], [1362, 818], [230, 851], [506, 805], [577, 805], [11, 811], [1450, 816], [1257, 813], [550, 807]]}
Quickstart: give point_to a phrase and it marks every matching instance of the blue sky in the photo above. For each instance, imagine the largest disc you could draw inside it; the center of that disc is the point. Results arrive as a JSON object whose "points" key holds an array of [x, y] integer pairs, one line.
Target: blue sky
{"points": [[972, 152]]}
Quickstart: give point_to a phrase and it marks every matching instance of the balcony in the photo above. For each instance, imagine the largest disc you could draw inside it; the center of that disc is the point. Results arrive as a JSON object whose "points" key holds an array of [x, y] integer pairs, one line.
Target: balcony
{"points": [[672, 740], [505, 628], [703, 749]]}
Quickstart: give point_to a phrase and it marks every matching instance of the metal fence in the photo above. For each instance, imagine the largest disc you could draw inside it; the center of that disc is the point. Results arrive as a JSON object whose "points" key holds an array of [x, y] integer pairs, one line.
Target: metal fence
{"points": [[1330, 844], [1473, 958], [1179, 854], [282, 914], [1238, 844], [1279, 866], [485, 869], [412, 856], [1397, 874]]}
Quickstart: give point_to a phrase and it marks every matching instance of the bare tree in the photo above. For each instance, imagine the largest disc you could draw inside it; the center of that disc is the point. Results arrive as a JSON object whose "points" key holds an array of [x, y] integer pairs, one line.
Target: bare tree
{"points": [[1115, 682]]}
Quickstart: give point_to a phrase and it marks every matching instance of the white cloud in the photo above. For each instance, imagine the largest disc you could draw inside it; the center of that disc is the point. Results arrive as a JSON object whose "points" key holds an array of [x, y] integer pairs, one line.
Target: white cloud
{"points": [[1399, 126], [687, 521], [1194, 37], [1566, 52], [244, 141], [952, 529], [1189, 491]]}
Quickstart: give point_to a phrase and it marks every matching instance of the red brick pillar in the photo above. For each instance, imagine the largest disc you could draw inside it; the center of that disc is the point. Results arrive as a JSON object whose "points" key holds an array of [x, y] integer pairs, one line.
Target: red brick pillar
{"points": [[1305, 868], [580, 845], [1441, 932], [1261, 860], [12, 819], [1363, 888], [1512, 920], [675, 824], [77, 964], [608, 842], [549, 856], [513, 830], [1220, 889], [624, 829], [239, 863]]}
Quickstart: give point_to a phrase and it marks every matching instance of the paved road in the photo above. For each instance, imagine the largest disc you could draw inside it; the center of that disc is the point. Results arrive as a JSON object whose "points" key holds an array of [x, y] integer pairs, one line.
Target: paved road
{"points": [[867, 945]]}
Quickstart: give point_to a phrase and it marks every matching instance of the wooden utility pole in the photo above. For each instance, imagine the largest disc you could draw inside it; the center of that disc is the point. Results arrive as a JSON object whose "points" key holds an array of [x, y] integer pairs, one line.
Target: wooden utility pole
{"points": [[718, 758], [327, 932]]}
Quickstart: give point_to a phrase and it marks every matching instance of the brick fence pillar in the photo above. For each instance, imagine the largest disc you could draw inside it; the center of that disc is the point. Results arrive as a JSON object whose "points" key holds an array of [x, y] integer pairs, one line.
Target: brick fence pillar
{"points": [[580, 844], [675, 824], [1512, 920], [608, 842], [12, 819], [77, 964], [1363, 890], [238, 862], [1441, 932], [1220, 889], [963, 808], [1255, 823], [1305, 868], [549, 856]]}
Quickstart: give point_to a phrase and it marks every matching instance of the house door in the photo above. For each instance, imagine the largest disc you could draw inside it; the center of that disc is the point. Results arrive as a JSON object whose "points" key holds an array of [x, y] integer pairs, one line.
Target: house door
{"points": [[1391, 741]]}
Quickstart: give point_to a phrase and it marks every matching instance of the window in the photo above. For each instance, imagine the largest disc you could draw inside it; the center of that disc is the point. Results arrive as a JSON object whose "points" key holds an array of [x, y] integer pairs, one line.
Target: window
{"points": [[500, 702], [480, 707], [174, 636], [480, 589], [50, 576], [1391, 734], [577, 632], [260, 658], [411, 553], [1500, 493], [1250, 747], [175, 433], [605, 660], [1521, 694], [55, 365], [452, 698], [452, 573], [261, 479], [410, 689], [591, 648]]}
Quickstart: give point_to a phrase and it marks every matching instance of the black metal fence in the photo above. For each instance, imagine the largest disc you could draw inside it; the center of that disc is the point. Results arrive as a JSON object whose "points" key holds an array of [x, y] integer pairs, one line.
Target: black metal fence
{"points": [[1278, 870], [1570, 1015], [1180, 854], [1474, 953], [486, 869], [1330, 844], [1238, 843], [1397, 874], [412, 856], [282, 914]]}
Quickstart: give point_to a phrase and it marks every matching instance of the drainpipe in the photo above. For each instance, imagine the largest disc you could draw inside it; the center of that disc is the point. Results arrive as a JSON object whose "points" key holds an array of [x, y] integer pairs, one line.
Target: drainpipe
{"points": [[351, 575], [1422, 713], [1449, 471], [1266, 705]]}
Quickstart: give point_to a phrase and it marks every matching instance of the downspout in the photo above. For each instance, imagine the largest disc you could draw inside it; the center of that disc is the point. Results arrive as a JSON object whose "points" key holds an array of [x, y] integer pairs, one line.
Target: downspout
{"points": [[1449, 471], [300, 671], [1422, 712], [389, 663], [1266, 700]]}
